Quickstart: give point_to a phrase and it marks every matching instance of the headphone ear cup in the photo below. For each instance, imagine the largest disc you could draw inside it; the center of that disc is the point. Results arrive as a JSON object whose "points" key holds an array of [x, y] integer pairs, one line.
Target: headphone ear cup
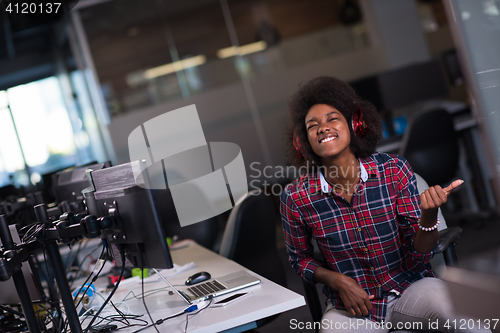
{"points": [[358, 123], [298, 146]]}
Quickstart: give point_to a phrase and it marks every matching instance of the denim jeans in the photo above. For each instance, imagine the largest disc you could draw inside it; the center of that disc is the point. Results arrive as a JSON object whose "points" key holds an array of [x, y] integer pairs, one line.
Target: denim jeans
{"points": [[424, 306]]}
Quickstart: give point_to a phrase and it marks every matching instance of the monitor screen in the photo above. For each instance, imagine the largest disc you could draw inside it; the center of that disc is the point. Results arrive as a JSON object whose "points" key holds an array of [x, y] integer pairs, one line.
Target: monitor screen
{"points": [[403, 86], [368, 89], [138, 227], [48, 182], [8, 191], [411, 84], [67, 185]]}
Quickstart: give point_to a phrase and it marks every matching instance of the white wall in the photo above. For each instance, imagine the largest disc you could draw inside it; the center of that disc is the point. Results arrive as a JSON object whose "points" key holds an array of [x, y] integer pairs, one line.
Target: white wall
{"points": [[395, 28]]}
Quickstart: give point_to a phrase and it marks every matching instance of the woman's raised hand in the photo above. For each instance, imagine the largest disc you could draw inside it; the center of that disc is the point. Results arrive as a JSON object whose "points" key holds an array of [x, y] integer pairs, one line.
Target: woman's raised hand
{"points": [[436, 196]]}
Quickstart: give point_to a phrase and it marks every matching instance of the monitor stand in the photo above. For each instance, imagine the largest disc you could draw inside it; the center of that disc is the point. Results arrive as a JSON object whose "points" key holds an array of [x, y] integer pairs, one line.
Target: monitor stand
{"points": [[180, 293]]}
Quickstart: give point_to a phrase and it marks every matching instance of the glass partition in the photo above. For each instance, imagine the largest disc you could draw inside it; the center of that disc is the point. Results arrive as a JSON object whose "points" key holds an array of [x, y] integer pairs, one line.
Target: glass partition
{"points": [[476, 25], [150, 52]]}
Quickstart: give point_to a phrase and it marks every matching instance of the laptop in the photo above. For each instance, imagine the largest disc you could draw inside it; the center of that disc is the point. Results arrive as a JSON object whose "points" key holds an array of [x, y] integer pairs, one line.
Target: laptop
{"points": [[215, 287]]}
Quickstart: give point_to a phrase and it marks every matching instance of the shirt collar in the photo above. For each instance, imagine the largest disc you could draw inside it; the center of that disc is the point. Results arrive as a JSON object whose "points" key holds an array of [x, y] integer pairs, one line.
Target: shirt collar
{"points": [[326, 188]]}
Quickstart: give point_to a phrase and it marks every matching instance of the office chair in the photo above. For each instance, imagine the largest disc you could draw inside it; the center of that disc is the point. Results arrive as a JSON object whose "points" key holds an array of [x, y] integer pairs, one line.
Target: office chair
{"points": [[250, 239], [431, 147], [445, 255], [205, 233]]}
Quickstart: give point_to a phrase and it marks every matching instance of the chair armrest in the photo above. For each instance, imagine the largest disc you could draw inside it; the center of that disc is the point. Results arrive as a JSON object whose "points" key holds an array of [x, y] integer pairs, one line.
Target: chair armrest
{"points": [[448, 237]]}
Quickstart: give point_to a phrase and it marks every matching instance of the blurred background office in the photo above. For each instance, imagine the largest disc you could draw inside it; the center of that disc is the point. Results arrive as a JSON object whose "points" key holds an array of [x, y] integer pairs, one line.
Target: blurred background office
{"points": [[108, 66], [72, 90]]}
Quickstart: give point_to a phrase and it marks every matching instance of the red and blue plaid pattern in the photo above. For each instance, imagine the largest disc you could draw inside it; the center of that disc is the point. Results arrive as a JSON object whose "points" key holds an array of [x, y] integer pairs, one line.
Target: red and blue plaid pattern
{"points": [[370, 240]]}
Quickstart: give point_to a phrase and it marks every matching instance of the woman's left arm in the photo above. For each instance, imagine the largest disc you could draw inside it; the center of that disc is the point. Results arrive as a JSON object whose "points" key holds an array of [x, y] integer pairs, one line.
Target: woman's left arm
{"points": [[430, 200]]}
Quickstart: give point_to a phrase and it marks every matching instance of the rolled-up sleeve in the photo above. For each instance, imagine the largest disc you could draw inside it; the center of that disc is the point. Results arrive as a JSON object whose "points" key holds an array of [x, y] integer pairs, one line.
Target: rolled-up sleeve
{"points": [[408, 210], [297, 237]]}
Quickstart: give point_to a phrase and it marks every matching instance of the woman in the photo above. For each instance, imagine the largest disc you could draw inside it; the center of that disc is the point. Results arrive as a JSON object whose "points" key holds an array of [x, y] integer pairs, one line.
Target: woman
{"points": [[375, 232]]}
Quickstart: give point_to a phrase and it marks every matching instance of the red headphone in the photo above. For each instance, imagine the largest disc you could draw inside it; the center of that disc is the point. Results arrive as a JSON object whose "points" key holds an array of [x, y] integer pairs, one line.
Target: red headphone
{"points": [[358, 122], [298, 146]]}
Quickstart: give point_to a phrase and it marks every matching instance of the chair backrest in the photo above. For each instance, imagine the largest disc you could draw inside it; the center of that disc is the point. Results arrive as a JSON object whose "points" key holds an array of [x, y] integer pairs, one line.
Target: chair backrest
{"points": [[205, 233], [250, 237], [431, 147]]}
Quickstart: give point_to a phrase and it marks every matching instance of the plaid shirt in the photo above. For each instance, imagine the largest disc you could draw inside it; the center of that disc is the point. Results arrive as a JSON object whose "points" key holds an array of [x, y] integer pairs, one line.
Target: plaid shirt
{"points": [[370, 240]]}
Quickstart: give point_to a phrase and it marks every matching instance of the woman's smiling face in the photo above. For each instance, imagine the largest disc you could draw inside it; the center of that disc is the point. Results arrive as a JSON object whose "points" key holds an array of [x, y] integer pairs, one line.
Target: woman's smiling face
{"points": [[327, 131]]}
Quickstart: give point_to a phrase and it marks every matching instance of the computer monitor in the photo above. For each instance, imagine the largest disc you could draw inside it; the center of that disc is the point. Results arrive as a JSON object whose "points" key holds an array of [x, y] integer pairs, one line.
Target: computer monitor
{"points": [[46, 185], [67, 185], [411, 84], [403, 86], [138, 228]]}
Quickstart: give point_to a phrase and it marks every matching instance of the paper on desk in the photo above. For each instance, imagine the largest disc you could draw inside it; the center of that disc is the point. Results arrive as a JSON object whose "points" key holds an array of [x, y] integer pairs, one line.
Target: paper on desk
{"points": [[169, 272]]}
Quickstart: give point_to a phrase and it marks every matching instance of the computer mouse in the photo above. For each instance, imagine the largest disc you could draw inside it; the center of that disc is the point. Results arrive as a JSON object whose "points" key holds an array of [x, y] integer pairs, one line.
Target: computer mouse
{"points": [[197, 278]]}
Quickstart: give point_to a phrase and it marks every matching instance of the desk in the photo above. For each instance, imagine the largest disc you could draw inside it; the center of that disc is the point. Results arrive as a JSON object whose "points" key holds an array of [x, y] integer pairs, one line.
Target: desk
{"points": [[475, 287], [267, 298]]}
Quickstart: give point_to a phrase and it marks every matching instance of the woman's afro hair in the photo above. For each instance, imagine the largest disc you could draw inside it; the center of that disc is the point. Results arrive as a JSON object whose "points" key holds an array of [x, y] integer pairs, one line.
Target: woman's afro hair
{"points": [[340, 95]]}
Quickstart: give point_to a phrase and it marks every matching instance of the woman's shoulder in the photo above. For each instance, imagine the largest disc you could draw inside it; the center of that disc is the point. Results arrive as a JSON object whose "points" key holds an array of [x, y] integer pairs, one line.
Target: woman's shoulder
{"points": [[393, 168], [298, 185], [383, 160], [389, 166]]}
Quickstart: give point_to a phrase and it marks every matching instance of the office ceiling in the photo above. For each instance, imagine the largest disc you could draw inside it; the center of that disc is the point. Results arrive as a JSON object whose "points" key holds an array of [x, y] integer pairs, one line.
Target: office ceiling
{"points": [[117, 15], [28, 55], [23, 50], [25, 56], [12, 44], [33, 48], [24, 33]]}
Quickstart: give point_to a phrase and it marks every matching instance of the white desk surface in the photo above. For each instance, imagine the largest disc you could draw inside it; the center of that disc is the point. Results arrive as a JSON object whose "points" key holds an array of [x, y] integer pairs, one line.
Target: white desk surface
{"points": [[267, 297]]}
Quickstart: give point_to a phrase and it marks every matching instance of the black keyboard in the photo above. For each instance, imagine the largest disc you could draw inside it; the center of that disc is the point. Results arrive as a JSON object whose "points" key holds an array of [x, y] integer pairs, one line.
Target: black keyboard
{"points": [[206, 288]]}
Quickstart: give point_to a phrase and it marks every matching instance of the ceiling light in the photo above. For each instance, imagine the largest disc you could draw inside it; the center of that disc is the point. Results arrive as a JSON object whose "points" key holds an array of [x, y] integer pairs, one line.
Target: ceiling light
{"points": [[242, 50], [175, 66]]}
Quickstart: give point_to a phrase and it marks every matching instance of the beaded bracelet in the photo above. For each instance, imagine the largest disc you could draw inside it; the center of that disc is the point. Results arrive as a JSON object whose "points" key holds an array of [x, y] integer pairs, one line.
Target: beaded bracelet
{"points": [[431, 228]]}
